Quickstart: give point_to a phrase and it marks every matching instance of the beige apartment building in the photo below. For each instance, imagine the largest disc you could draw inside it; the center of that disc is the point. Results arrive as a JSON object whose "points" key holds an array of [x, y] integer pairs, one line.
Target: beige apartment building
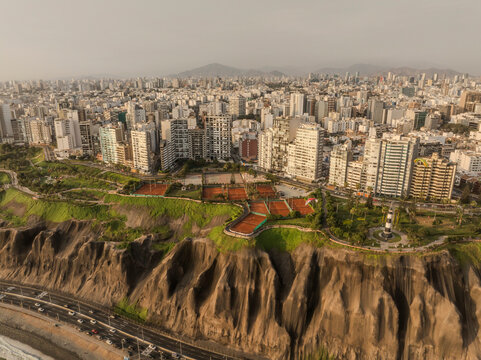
{"points": [[432, 178]]}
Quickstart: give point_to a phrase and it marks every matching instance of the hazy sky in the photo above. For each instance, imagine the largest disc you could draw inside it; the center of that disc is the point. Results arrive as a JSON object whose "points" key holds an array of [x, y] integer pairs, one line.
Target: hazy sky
{"points": [[62, 38]]}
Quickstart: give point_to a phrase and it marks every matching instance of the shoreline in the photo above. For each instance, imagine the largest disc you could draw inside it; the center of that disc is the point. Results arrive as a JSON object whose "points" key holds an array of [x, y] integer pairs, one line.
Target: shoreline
{"points": [[59, 343], [36, 342]]}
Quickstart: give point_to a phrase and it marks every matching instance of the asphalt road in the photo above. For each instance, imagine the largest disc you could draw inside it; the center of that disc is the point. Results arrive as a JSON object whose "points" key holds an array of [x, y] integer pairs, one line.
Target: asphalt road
{"points": [[123, 333]]}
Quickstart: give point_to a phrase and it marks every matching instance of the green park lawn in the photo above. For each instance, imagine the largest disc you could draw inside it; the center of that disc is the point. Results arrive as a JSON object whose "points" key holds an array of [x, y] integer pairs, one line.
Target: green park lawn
{"points": [[4, 178]]}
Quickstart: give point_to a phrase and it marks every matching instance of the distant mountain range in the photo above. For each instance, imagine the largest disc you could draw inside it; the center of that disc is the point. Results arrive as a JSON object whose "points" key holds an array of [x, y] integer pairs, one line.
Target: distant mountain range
{"points": [[219, 70], [215, 69]]}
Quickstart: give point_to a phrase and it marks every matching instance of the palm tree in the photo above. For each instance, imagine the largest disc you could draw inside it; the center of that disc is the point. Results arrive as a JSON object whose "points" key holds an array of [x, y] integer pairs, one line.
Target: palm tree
{"points": [[460, 214]]}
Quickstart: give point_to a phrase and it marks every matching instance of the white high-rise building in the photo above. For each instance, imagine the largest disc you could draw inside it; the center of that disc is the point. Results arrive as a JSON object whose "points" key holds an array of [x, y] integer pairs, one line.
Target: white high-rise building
{"points": [[372, 155], [395, 165], [296, 104], [273, 144], [135, 115], [339, 159], [218, 130], [110, 136], [467, 161], [141, 151], [305, 153], [67, 132]]}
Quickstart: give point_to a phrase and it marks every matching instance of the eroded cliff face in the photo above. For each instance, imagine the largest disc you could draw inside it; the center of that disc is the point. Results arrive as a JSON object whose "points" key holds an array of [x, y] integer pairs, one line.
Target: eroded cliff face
{"points": [[276, 305]]}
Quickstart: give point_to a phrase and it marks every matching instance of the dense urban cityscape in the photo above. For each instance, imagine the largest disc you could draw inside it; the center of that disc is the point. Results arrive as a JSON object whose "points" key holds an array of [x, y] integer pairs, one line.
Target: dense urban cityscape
{"points": [[254, 180], [389, 135]]}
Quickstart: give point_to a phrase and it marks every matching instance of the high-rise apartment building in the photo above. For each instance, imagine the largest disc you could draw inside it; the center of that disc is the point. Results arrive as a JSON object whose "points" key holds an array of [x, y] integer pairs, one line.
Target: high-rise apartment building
{"points": [[218, 136], [274, 142], [339, 159], [469, 99], [375, 110], [196, 140], [38, 132], [110, 135], [141, 151], [135, 115], [67, 132], [321, 110], [86, 138], [297, 104], [432, 178], [124, 154], [468, 161], [5, 121], [419, 119], [237, 105], [305, 153], [395, 165], [175, 133]]}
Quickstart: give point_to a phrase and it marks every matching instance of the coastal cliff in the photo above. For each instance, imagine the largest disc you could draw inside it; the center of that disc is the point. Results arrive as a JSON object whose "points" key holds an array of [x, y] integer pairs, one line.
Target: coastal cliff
{"points": [[274, 304]]}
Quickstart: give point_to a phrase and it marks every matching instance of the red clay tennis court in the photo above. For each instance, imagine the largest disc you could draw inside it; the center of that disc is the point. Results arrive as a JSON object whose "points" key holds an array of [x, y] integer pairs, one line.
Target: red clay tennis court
{"points": [[212, 193], [266, 191], [237, 194], [278, 208], [258, 207], [248, 224], [300, 205], [153, 189]]}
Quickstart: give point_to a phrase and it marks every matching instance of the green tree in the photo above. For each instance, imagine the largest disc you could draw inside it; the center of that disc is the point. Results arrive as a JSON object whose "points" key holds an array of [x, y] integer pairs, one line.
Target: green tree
{"points": [[465, 195]]}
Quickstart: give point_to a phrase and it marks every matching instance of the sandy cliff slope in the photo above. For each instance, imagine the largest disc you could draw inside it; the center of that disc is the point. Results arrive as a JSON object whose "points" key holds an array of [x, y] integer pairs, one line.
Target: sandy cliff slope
{"points": [[278, 305]]}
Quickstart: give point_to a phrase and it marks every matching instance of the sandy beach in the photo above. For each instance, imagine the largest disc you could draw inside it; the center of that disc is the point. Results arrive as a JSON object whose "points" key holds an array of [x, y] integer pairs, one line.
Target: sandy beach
{"points": [[63, 342]]}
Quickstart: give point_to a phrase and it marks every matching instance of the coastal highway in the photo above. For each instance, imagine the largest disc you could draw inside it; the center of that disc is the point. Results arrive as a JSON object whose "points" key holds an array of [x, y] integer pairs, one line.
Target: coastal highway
{"points": [[139, 341]]}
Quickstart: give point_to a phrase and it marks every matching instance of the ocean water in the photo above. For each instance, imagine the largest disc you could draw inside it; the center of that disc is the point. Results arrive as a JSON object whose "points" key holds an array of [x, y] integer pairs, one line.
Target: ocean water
{"points": [[15, 350]]}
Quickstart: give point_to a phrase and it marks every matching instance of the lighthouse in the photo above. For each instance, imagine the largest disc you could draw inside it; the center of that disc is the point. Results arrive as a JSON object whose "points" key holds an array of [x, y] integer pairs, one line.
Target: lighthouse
{"points": [[387, 233]]}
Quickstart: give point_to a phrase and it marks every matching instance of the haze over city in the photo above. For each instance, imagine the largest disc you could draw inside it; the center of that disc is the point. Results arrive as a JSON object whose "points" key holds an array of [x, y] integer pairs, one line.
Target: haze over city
{"points": [[240, 180], [62, 39]]}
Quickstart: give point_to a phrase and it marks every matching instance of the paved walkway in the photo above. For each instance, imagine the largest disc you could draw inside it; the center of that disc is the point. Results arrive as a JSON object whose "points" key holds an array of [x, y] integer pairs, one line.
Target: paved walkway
{"points": [[385, 247]]}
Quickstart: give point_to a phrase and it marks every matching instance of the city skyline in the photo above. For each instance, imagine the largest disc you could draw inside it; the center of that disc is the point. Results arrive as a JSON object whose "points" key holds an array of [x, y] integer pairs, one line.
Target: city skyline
{"points": [[56, 39]]}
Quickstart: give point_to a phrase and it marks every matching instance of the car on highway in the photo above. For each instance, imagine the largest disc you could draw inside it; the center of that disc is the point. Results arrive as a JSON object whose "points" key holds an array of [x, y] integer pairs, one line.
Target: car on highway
{"points": [[71, 313], [37, 304], [152, 347], [112, 316], [89, 333], [91, 311], [93, 322], [78, 328], [108, 341], [175, 356], [95, 331], [80, 321], [112, 330], [66, 306], [41, 309]]}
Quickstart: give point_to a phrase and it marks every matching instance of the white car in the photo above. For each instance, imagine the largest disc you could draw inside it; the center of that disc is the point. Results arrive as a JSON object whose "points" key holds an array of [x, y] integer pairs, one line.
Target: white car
{"points": [[91, 311], [37, 304], [93, 322], [113, 331], [71, 313], [152, 346], [41, 309], [109, 342], [175, 356], [80, 321]]}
